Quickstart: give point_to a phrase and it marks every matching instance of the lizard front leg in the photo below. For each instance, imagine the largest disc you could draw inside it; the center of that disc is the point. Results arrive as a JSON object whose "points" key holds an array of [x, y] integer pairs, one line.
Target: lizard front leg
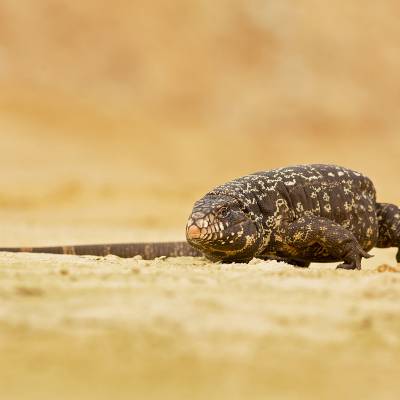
{"points": [[336, 240]]}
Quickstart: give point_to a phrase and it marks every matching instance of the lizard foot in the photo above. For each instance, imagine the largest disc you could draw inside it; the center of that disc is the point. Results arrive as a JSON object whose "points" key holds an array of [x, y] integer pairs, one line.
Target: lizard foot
{"points": [[353, 258], [348, 266]]}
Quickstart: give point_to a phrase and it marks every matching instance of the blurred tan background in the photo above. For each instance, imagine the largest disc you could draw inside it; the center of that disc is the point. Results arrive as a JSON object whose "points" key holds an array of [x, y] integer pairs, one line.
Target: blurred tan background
{"points": [[115, 118]]}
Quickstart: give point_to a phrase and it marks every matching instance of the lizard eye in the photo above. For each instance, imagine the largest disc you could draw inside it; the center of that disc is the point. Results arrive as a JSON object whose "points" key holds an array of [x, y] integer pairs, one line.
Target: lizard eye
{"points": [[224, 212]]}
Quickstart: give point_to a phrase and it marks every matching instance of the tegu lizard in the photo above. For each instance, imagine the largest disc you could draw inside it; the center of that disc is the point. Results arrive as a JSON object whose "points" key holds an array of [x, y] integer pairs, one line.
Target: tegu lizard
{"points": [[299, 214]]}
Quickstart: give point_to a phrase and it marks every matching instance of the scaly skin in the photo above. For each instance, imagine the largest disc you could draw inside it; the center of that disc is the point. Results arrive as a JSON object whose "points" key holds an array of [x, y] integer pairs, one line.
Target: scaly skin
{"points": [[148, 251], [300, 214]]}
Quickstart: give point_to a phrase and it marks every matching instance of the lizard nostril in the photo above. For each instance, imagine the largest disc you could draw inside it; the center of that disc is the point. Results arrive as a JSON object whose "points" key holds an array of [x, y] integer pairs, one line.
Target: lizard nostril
{"points": [[193, 232]]}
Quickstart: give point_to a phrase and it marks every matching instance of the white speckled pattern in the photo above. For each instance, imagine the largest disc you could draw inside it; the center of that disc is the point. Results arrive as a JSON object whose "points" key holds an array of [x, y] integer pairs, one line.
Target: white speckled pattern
{"points": [[299, 214]]}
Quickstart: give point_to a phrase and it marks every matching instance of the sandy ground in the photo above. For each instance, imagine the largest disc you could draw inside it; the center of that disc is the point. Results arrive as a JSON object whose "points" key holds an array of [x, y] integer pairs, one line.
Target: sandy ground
{"points": [[100, 328]]}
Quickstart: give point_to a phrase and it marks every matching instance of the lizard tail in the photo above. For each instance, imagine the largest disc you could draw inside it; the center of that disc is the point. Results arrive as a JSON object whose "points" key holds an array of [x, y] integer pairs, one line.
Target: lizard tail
{"points": [[148, 251]]}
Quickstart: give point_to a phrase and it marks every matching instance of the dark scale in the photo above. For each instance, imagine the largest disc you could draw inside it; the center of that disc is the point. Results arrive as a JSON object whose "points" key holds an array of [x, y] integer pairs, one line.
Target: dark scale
{"points": [[300, 214]]}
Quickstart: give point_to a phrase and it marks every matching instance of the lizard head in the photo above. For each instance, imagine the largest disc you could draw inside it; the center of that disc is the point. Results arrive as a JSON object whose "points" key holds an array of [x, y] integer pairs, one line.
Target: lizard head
{"points": [[222, 229]]}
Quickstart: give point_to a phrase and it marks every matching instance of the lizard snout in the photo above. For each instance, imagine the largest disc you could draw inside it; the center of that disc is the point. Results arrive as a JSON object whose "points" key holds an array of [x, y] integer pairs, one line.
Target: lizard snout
{"points": [[193, 232]]}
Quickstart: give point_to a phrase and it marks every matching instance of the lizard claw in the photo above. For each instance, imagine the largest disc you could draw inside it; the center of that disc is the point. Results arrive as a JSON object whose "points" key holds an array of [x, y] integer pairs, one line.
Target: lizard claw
{"points": [[365, 254]]}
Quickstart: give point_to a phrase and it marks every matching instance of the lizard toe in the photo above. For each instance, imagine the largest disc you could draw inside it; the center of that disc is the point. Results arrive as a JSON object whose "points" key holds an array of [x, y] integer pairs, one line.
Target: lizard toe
{"points": [[364, 254], [348, 266]]}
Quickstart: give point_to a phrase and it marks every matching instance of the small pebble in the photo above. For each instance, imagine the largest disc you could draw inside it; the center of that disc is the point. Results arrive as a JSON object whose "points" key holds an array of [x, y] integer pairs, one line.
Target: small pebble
{"points": [[135, 270], [29, 291], [64, 271], [387, 268]]}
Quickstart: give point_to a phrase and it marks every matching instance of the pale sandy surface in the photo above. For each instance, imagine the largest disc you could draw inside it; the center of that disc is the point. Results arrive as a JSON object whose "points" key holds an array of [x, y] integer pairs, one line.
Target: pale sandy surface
{"points": [[95, 328]]}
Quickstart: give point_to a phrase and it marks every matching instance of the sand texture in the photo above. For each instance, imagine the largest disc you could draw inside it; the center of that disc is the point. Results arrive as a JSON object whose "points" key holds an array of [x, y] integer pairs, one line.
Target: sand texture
{"points": [[100, 328]]}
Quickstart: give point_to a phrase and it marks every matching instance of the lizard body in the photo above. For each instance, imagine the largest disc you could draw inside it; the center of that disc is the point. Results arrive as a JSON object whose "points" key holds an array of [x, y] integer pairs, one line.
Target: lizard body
{"points": [[299, 214]]}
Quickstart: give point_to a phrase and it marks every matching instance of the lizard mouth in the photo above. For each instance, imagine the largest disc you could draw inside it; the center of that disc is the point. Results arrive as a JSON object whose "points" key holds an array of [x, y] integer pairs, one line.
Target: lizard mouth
{"points": [[193, 232], [200, 231], [237, 238]]}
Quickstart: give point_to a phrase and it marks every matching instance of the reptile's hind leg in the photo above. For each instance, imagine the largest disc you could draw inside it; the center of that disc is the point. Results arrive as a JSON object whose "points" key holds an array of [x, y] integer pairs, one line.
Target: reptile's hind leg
{"points": [[340, 243], [389, 226]]}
